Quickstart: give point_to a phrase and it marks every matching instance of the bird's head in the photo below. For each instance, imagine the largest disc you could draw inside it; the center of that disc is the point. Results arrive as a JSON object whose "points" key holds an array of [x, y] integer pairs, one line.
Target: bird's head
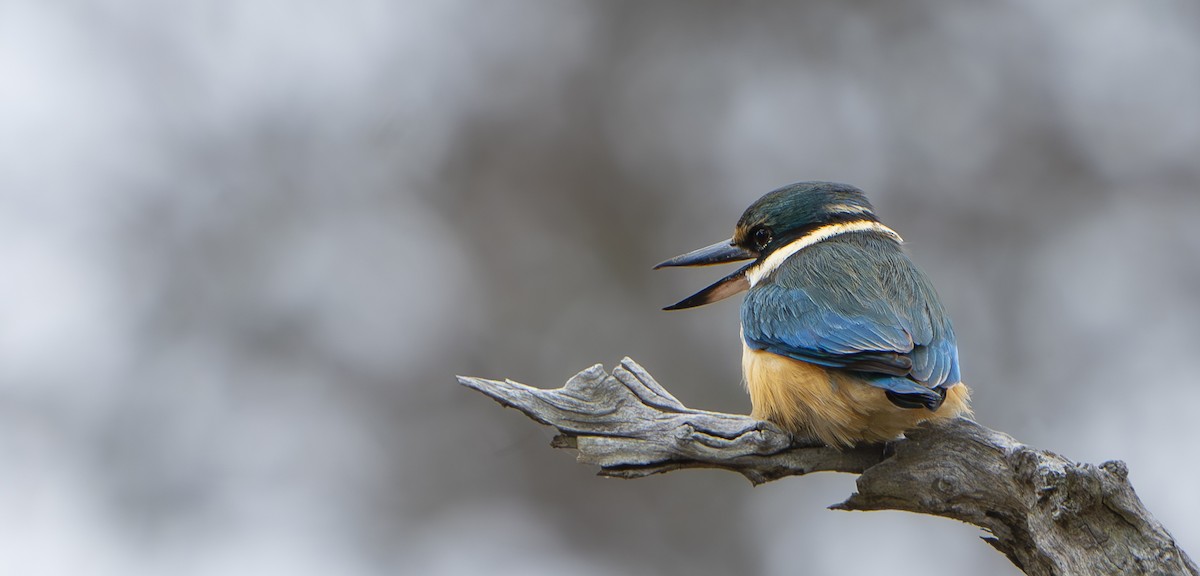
{"points": [[773, 228]]}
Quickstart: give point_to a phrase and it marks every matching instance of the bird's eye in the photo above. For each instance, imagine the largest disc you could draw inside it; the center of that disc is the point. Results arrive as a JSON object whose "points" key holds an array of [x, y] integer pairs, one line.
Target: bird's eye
{"points": [[762, 237]]}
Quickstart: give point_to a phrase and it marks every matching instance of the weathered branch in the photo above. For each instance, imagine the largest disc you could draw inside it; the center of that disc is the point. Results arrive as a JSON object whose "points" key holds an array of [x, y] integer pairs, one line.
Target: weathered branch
{"points": [[1049, 515]]}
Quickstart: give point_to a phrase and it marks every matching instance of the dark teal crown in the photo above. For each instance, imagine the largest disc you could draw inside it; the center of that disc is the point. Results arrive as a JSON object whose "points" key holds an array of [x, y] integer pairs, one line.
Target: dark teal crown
{"points": [[797, 209]]}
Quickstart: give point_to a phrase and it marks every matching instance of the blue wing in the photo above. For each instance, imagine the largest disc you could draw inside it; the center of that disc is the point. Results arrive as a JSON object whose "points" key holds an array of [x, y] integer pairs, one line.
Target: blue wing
{"points": [[857, 305]]}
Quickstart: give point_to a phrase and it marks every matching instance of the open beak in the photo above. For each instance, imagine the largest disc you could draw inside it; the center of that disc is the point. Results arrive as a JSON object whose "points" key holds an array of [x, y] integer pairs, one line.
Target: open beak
{"points": [[719, 253]]}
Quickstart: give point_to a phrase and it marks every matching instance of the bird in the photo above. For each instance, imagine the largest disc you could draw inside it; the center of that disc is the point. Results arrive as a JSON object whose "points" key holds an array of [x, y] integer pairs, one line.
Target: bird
{"points": [[844, 339]]}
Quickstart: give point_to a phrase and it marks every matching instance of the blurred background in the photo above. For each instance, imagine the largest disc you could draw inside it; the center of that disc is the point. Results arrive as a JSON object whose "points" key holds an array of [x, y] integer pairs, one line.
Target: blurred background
{"points": [[247, 246]]}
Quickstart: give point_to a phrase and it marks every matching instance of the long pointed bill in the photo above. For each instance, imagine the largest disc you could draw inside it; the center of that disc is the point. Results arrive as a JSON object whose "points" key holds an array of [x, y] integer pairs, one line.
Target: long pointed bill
{"points": [[722, 289], [719, 253]]}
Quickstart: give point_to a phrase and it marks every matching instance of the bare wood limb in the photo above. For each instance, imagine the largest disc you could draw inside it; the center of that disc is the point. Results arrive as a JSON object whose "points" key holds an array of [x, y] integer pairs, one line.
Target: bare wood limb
{"points": [[1048, 515]]}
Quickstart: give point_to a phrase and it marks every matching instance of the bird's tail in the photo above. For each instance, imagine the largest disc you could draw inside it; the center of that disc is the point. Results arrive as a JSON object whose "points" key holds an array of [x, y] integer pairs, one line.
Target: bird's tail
{"points": [[907, 393]]}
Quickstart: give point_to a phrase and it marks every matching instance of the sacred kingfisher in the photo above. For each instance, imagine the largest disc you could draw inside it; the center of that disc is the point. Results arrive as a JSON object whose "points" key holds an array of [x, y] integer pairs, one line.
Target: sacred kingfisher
{"points": [[844, 338]]}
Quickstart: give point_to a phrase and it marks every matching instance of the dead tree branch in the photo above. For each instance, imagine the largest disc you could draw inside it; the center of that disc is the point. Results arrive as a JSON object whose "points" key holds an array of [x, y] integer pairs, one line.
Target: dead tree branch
{"points": [[1048, 515]]}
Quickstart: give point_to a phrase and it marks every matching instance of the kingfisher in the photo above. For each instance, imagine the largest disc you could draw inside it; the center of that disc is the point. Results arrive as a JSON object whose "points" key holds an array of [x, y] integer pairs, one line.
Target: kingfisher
{"points": [[843, 337]]}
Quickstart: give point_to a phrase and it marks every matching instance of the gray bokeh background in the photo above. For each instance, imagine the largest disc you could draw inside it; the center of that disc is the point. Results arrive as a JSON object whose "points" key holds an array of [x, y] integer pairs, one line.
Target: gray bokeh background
{"points": [[247, 245]]}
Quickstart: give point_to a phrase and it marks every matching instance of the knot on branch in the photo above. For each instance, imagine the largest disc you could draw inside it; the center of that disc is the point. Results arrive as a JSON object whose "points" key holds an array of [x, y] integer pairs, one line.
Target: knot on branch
{"points": [[1117, 468]]}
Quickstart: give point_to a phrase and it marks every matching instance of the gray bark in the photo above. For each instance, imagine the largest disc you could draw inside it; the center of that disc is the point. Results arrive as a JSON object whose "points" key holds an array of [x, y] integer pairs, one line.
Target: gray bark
{"points": [[1048, 515]]}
